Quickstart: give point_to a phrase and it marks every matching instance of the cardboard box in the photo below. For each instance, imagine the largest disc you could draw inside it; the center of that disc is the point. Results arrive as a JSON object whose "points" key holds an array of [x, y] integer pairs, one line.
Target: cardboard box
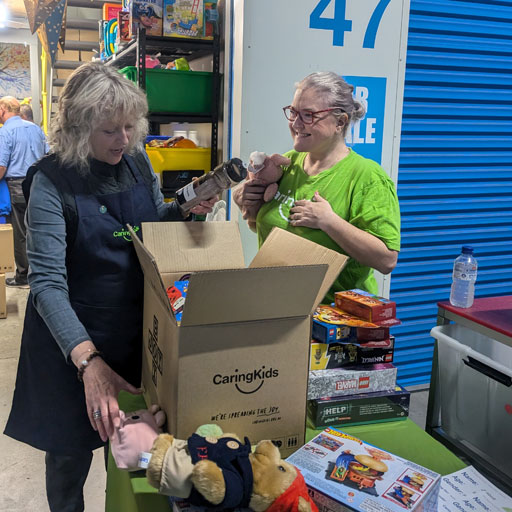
{"points": [[6, 249], [332, 324], [350, 381], [183, 18], [146, 14], [3, 297], [389, 405], [240, 356], [325, 356], [365, 305], [344, 473]]}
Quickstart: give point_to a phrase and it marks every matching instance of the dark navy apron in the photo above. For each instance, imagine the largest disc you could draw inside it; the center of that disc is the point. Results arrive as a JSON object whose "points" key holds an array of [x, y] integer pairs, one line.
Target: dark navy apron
{"points": [[106, 292]]}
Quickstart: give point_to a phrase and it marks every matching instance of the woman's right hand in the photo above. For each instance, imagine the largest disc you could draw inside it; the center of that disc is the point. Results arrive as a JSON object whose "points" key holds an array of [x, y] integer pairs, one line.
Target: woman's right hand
{"points": [[249, 197], [102, 386]]}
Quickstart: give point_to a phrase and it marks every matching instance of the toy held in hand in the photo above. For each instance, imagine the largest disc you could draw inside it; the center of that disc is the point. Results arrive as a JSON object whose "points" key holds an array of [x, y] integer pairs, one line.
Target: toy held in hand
{"points": [[266, 169], [221, 472], [136, 436]]}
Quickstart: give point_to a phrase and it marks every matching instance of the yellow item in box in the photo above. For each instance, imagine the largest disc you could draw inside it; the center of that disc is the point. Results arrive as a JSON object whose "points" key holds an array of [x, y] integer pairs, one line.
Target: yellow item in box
{"points": [[179, 159]]}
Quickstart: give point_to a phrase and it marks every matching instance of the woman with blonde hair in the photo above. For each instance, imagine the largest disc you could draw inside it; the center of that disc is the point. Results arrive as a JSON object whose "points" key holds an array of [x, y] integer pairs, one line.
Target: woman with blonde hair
{"points": [[81, 341]]}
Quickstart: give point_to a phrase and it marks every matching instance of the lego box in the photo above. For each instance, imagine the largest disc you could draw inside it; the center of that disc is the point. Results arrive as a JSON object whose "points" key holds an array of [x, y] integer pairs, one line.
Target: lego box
{"points": [[365, 305], [376, 407], [344, 473], [349, 381], [339, 355]]}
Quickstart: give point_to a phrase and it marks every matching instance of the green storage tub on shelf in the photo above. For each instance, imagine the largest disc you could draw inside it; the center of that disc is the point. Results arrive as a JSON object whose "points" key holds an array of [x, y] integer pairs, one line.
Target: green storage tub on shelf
{"points": [[175, 91]]}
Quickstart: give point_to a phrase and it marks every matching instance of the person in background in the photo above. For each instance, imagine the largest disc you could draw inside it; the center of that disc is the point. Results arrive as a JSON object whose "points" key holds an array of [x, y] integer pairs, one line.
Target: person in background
{"points": [[81, 341], [26, 112], [21, 144], [328, 193]]}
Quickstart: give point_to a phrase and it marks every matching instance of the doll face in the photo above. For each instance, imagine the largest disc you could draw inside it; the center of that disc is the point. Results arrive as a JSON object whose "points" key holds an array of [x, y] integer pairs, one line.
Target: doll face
{"points": [[323, 134], [109, 140]]}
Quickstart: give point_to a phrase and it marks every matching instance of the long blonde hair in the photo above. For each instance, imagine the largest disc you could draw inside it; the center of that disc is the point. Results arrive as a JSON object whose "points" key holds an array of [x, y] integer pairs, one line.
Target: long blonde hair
{"points": [[92, 94]]}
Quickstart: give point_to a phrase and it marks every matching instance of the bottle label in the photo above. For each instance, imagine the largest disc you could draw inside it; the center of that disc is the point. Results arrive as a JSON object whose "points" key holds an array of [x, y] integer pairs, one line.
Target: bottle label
{"points": [[464, 272], [189, 192]]}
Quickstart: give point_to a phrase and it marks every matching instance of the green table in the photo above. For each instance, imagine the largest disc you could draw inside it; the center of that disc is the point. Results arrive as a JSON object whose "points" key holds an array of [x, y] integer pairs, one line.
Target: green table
{"points": [[130, 492]]}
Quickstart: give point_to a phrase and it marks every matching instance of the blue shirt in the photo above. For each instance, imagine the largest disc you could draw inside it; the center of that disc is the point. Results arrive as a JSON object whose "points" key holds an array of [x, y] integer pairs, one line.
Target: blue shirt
{"points": [[21, 144]]}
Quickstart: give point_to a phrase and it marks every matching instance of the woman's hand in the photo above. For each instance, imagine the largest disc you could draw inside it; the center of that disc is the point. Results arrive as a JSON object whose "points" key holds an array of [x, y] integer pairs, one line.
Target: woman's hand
{"points": [[311, 214], [102, 386], [249, 197], [205, 207]]}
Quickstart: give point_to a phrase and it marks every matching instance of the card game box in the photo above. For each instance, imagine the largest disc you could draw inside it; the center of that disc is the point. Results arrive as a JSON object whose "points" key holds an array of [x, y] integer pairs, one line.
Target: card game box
{"points": [[349, 381], [339, 355], [331, 324], [365, 305], [392, 405], [344, 473]]}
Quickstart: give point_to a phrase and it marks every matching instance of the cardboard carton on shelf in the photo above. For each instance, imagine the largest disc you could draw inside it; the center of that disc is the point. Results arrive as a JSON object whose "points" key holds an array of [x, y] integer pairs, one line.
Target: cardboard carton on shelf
{"points": [[365, 305], [3, 297], [6, 249], [391, 405], [344, 473], [341, 355], [240, 356], [353, 380]]}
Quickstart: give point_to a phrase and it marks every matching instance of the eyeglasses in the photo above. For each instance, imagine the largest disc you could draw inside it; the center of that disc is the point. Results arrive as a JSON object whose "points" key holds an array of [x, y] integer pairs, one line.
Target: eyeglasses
{"points": [[307, 116]]}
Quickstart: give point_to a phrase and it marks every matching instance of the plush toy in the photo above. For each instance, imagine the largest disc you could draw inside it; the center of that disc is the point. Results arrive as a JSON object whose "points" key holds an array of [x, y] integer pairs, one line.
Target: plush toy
{"points": [[133, 440], [268, 170], [222, 473]]}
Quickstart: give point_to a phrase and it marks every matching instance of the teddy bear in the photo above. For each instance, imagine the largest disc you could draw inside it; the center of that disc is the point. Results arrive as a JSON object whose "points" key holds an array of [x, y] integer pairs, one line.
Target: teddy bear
{"points": [[221, 472], [132, 441], [266, 169]]}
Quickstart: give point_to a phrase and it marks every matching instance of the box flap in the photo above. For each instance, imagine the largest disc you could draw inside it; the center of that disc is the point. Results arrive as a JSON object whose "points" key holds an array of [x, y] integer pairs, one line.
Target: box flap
{"points": [[244, 295], [193, 246], [150, 269], [284, 248]]}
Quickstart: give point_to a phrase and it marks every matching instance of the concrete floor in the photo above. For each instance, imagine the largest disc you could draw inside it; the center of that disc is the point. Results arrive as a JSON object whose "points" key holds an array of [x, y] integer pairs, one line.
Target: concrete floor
{"points": [[22, 486]]}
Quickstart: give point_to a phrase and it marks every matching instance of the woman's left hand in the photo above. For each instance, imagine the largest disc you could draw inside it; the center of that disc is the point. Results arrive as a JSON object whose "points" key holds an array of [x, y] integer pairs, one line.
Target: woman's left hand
{"points": [[310, 214], [205, 207]]}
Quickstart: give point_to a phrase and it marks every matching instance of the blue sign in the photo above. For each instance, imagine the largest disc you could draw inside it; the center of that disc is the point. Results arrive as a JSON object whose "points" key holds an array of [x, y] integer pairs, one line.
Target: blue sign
{"points": [[365, 136]]}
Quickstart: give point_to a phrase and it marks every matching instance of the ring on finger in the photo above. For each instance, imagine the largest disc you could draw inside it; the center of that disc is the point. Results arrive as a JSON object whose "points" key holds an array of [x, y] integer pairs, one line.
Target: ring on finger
{"points": [[97, 414]]}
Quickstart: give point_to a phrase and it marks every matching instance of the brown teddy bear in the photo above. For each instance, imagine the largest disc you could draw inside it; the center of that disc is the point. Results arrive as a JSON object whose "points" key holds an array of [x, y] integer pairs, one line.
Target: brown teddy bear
{"points": [[222, 473]]}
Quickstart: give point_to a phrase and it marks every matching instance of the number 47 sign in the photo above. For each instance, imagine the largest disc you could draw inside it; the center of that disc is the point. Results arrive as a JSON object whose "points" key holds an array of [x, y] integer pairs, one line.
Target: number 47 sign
{"points": [[339, 24]]}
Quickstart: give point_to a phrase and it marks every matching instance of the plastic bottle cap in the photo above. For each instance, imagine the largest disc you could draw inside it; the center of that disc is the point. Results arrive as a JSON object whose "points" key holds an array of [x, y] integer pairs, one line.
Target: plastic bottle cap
{"points": [[236, 169], [467, 249]]}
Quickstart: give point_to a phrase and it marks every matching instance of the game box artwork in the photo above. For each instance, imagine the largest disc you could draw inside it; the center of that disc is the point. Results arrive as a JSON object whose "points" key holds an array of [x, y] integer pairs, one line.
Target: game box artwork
{"points": [[344, 473]]}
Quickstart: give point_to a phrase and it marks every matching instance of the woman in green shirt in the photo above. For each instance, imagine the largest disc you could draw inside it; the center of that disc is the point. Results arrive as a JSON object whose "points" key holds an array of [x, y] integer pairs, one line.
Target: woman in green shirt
{"points": [[328, 193]]}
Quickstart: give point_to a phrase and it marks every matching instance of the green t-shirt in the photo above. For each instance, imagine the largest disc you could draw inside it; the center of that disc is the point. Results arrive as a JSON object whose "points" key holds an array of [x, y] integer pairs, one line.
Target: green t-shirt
{"points": [[358, 190]]}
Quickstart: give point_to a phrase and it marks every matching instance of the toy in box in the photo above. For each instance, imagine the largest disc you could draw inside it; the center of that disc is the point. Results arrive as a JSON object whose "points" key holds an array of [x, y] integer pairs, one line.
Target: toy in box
{"points": [[331, 324], [344, 473], [183, 18], [339, 355], [177, 294], [349, 381], [391, 405], [365, 305], [146, 14]]}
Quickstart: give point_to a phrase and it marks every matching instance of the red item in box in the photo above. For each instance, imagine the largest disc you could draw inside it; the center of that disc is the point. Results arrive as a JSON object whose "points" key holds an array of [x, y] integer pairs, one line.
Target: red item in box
{"points": [[365, 305]]}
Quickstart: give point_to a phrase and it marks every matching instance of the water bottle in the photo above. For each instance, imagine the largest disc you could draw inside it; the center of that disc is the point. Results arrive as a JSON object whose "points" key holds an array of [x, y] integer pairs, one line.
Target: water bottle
{"points": [[464, 277]]}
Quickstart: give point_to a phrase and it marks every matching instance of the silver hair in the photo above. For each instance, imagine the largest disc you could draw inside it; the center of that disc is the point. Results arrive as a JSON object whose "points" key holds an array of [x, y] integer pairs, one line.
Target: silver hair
{"points": [[92, 94], [338, 94]]}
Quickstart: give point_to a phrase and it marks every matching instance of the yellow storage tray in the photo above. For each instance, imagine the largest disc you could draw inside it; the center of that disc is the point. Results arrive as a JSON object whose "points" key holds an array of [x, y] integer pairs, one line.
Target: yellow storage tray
{"points": [[177, 159]]}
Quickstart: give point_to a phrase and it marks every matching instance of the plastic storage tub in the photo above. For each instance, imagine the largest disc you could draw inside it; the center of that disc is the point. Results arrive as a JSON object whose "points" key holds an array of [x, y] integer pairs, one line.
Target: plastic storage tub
{"points": [[169, 90], [475, 388]]}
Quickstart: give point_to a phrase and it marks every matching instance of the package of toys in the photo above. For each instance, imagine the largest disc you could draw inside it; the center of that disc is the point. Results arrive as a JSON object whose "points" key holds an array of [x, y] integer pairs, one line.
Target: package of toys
{"points": [[391, 405], [183, 18], [353, 380], [365, 305], [331, 324], [146, 14], [177, 294], [339, 355], [344, 473]]}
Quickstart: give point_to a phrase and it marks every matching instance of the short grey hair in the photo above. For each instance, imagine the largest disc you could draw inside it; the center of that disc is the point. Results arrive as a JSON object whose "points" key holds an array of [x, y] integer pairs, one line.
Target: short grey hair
{"points": [[92, 94], [337, 92]]}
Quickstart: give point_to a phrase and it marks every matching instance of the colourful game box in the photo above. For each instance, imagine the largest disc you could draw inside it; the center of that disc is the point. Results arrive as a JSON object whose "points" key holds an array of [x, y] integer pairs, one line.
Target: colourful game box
{"points": [[146, 14], [339, 355], [349, 381], [344, 473], [183, 18], [177, 294], [376, 407], [365, 305], [331, 324]]}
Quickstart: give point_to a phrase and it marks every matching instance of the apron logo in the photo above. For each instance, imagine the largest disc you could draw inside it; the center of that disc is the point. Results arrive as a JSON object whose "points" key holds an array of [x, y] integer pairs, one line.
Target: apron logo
{"points": [[125, 233]]}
